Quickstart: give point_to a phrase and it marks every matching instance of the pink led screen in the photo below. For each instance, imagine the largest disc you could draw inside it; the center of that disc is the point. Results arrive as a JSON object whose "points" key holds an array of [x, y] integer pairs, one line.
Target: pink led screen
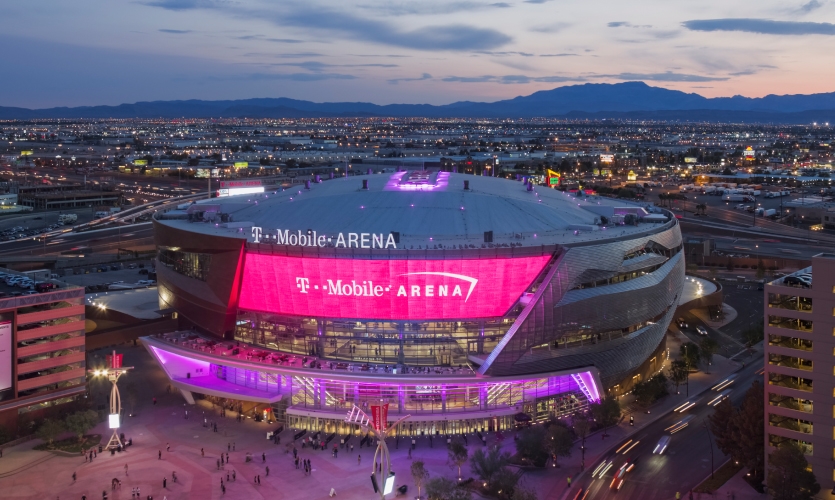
{"points": [[385, 289]]}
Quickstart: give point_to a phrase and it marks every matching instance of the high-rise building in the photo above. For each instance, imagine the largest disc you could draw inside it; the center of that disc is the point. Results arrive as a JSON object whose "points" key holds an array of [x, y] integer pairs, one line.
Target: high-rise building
{"points": [[800, 358]]}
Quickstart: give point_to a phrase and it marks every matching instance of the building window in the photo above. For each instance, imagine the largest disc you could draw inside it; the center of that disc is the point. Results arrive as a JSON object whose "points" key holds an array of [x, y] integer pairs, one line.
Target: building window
{"points": [[792, 403], [191, 264], [798, 383], [790, 361], [790, 323], [790, 342], [777, 441]]}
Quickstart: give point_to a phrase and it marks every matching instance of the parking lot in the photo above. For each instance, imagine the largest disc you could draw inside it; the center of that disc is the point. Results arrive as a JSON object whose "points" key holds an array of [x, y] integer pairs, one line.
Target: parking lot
{"points": [[100, 277]]}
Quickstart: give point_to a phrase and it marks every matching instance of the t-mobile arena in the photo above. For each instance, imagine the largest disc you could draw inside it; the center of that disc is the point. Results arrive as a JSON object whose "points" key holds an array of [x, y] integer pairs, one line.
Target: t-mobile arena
{"points": [[461, 300]]}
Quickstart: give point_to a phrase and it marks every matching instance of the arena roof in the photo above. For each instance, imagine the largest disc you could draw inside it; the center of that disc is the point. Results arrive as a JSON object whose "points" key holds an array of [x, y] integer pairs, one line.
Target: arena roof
{"points": [[426, 208]]}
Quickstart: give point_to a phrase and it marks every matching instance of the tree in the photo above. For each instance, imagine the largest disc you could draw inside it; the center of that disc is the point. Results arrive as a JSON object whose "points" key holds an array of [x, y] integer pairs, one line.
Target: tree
{"points": [[442, 488], [678, 372], [532, 445], [748, 427], [560, 441], [722, 426], [760, 269], [521, 493], [486, 464], [80, 422], [606, 412], [788, 478], [49, 430], [708, 348], [419, 474], [690, 354], [504, 481], [582, 426], [457, 454]]}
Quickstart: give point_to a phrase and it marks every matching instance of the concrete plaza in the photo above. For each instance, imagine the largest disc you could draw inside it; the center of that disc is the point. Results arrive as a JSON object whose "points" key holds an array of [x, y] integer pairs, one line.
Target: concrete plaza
{"points": [[29, 474]]}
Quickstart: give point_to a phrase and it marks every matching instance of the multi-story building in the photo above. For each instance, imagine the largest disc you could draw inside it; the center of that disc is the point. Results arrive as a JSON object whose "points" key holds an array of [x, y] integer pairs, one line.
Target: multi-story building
{"points": [[458, 299], [42, 355], [800, 358]]}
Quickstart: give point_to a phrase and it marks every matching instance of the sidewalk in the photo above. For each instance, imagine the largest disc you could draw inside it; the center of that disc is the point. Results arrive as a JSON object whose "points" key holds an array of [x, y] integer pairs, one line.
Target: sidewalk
{"points": [[728, 314], [737, 489]]}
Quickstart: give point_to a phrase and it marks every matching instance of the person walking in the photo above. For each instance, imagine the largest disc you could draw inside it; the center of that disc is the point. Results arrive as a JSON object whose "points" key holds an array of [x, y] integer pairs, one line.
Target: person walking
{"points": [[167, 447], [126, 469], [202, 453], [268, 471], [227, 476], [234, 476], [228, 446], [359, 459], [159, 455], [164, 482], [569, 481], [73, 477], [263, 458]]}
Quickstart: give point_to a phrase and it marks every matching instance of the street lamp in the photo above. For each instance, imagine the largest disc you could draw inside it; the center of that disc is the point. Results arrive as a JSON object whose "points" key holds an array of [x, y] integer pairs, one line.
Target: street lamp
{"points": [[113, 372], [383, 481]]}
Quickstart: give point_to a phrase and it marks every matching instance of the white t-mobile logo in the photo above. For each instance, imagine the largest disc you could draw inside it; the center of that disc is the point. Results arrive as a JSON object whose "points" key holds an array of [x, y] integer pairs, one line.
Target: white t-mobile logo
{"points": [[303, 284]]}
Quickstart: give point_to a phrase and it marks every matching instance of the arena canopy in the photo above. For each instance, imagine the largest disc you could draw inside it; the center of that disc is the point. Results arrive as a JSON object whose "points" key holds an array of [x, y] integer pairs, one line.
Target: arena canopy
{"points": [[398, 290]]}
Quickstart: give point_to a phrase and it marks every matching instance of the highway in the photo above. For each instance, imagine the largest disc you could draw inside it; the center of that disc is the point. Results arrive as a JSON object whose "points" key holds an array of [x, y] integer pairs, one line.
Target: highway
{"points": [[98, 241], [683, 465]]}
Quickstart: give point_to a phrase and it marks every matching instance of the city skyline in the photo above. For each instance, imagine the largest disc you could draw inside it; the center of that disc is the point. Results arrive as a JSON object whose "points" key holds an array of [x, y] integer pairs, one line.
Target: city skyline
{"points": [[428, 52]]}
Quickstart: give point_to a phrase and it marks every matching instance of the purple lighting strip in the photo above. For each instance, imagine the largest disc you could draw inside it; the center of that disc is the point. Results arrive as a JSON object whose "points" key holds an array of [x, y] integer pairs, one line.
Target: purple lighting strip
{"points": [[586, 379], [402, 181]]}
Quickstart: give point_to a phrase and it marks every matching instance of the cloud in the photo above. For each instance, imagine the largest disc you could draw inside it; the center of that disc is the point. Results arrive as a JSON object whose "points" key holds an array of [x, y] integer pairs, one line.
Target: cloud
{"points": [[432, 8], [425, 76], [181, 4], [537, 1], [761, 26], [810, 6], [549, 28], [175, 32], [318, 67], [667, 76], [627, 24], [299, 77], [451, 37], [511, 79], [457, 37], [274, 40], [510, 53], [564, 54]]}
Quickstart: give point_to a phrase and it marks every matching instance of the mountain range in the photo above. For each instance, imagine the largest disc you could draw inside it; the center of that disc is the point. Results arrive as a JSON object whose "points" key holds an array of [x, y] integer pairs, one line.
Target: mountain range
{"points": [[629, 100]]}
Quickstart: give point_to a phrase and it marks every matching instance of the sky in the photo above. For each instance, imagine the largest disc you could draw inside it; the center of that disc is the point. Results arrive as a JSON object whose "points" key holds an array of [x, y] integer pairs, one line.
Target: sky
{"points": [[92, 52]]}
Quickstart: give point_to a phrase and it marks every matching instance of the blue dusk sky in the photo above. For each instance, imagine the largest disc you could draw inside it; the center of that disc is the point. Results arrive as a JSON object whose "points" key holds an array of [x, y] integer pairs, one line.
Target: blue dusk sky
{"points": [[85, 52]]}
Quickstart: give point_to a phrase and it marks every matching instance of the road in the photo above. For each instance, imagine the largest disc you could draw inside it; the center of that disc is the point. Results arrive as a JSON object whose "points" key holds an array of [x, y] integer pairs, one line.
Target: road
{"points": [[685, 463], [99, 241]]}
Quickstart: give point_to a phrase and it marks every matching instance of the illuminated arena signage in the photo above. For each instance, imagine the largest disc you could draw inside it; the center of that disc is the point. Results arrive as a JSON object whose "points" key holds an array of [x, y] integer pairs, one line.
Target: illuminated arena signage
{"points": [[312, 239], [386, 289]]}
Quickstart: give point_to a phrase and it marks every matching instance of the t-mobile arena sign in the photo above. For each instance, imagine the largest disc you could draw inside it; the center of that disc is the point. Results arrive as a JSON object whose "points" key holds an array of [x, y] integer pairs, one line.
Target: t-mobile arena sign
{"points": [[386, 289]]}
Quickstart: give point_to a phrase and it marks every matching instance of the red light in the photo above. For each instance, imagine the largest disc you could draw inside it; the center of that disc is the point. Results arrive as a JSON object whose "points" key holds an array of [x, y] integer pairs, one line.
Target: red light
{"points": [[386, 289]]}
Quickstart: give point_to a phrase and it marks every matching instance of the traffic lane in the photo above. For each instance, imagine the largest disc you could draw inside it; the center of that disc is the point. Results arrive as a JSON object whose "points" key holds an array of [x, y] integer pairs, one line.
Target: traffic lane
{"points": [[686, 461], [727, 346], [68, 241], [749, 308]]}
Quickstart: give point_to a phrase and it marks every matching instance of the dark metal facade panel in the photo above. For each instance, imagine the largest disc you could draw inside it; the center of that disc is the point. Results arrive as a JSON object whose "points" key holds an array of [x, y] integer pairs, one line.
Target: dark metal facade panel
{"points": [[598, 309]]}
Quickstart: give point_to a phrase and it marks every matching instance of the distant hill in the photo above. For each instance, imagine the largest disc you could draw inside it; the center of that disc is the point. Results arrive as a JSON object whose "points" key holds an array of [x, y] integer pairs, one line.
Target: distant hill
{"points": [[630, 100]]}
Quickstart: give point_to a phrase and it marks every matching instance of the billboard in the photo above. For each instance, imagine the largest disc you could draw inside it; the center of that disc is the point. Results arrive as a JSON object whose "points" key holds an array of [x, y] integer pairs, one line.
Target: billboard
{"points": [[607, 158], [386, 289], [5, 355]]}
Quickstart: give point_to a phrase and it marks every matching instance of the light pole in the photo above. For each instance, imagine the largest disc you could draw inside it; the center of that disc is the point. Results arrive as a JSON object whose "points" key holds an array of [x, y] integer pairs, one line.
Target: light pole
{"points": [[113, 372], [710, 440], [382, 480]]}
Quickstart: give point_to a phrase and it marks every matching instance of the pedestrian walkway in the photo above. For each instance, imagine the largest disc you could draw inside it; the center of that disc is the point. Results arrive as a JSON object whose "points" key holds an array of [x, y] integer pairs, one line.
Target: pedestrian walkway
{"points": [[728, 314], [737, 489]]}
